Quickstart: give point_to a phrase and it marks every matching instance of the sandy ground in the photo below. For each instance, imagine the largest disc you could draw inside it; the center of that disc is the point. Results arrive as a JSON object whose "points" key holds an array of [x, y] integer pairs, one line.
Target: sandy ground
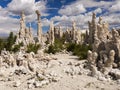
{"points": [[67, 82]]}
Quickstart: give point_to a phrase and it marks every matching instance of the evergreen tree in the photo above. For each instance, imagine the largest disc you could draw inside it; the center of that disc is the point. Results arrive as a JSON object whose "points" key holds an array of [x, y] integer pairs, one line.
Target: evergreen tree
{"points": [[10, 41], [2, 44]]}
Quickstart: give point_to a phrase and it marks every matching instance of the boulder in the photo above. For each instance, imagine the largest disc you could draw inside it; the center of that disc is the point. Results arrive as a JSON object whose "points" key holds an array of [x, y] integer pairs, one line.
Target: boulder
{"points": [[17, 83], [115, 73]]}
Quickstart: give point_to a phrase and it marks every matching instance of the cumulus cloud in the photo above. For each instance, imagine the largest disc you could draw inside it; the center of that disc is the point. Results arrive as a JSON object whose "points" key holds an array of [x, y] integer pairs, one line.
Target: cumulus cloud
{"points": [[95, 3], [9, 23], [45, 22], [79, 11], [81, 20], [115, 7], [83, 15], [73, 9], [28, 6]]}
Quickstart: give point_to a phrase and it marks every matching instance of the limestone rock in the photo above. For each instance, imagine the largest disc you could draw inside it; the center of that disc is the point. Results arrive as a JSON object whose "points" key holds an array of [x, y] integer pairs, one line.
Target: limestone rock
{"points": [[17, 83], [24, 35], [115, 73]]}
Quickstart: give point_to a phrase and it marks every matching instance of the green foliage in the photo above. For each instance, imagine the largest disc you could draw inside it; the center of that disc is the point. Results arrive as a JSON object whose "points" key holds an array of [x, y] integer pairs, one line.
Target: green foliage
{"points": [[10, 41], [33, 48], [79, 50], [2, 44], [52, 49], [57, 47], [7, 43], [70, 46], [17, 47]]}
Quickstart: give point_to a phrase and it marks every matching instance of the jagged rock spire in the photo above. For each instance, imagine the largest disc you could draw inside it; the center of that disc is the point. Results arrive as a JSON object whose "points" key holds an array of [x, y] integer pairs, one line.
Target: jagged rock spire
{"points": [[39, 27], [51, 33], [25, 35], [38, 15], [100, 20]]}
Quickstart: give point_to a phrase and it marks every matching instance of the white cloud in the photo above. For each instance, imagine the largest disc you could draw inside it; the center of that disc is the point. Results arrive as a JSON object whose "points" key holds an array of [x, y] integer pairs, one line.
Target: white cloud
{"points": [[68, 13], [112, 18], [60, 18], [115, 7], [45, 22], [8, 25], [71, 13], [73, 9], [81, 20], [14, 8], [29, 7], [98, 10], [93, 3]]}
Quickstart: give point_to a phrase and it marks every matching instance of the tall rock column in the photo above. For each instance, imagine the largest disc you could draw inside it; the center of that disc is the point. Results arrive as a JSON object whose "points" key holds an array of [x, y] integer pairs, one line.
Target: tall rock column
{"points": [[60, 32], [22, 24], [39, 26], [92, 29], [51, 34], [73, 30], [21, 33]]}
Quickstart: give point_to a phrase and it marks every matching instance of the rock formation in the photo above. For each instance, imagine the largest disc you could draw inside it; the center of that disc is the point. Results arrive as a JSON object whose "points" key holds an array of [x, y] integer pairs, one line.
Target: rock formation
{"points": [[51, 36], [98, 30], [105, 54], [110, 60], [103, 40], [39, 27], [25, 34], [58, 32]]}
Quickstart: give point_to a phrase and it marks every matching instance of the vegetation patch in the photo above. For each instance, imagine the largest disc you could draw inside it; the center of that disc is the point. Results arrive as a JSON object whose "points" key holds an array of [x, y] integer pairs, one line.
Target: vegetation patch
{"points": [[33, 48], [79, 50], [57, 47]]}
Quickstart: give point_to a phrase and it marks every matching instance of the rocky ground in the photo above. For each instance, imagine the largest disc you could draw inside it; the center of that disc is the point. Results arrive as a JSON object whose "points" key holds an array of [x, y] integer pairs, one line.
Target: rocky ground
{"points": [[65, 73]]}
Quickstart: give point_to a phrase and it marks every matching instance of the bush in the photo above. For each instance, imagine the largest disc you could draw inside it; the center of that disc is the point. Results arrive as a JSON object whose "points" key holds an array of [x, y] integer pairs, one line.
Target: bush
{"points": [[2, 44], [33, 48], [51, 49], [79, 50], [17, 47], [57, 47], [70, 46], [10, 41]]}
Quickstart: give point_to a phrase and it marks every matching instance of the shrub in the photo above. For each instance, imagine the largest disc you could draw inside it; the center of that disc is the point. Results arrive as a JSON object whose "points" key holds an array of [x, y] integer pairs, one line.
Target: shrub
{"points": [[57, 47], [70, 46], [51, 49], [2, 44], [79, 50], [17, 47], [10, 41], [33, 48]]}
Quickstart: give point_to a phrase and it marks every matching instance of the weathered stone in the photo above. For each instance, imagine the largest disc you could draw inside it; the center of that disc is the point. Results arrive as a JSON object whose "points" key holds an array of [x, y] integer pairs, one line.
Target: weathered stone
{"points": [[92, 57], [38, 84], [17, 83], [110, 60], [24, 35], [115, 73], [51, 37], [30, 86], [31, 81], [39, 27]]}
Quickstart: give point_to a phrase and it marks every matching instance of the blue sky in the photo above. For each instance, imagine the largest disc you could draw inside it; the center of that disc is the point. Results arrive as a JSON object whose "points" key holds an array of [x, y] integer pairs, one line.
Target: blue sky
{"points": [[62, 12]]}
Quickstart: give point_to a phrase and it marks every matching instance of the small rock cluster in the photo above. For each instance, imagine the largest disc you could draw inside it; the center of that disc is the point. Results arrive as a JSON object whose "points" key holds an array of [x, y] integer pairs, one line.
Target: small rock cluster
{"points": [[73, 69], [102, 71], [40, 80], [26, 67], [105, 55]]}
